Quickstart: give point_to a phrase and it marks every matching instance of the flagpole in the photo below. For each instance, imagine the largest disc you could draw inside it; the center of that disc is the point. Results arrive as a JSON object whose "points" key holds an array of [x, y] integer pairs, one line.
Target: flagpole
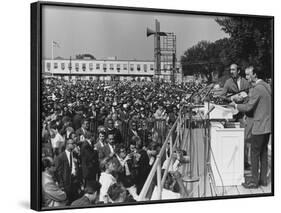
{"points": [[52, 49], [52, 45]]}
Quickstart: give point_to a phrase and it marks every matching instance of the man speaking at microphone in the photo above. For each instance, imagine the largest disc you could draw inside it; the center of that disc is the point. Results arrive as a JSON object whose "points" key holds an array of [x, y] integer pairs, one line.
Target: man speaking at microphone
{"points": [[232, 86], [259, 104], [236, 83]]}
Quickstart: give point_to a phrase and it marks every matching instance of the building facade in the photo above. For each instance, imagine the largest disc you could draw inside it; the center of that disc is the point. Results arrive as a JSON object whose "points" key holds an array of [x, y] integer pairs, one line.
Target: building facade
{"points": [[108, 70]]}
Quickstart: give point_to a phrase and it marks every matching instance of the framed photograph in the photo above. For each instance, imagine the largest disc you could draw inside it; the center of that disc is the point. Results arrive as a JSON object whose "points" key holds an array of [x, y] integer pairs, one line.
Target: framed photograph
{"points": [[142, 105]]}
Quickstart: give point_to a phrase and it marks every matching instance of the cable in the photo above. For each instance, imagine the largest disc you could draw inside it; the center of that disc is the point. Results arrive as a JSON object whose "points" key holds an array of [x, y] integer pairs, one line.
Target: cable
{"points": [[217, 170], [215, 161]]}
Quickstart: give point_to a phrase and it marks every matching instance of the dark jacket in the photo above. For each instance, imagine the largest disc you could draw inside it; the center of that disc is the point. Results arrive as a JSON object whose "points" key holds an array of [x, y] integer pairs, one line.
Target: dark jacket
{"points": [[89, 162], [260, 104], [231, 87], [63, 171]]}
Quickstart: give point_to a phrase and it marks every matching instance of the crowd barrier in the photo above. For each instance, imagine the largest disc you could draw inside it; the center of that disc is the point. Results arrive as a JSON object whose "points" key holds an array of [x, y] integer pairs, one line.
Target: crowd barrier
{"points": [[157, 175], [158, 127]]}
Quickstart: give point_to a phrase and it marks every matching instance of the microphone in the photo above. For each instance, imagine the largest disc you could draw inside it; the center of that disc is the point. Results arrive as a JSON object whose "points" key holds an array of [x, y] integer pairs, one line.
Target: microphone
{"points": [[210, 110]]}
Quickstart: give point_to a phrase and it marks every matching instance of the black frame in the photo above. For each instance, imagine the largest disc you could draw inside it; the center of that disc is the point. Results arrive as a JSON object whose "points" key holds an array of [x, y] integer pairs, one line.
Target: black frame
{"points": [[36, 66]]}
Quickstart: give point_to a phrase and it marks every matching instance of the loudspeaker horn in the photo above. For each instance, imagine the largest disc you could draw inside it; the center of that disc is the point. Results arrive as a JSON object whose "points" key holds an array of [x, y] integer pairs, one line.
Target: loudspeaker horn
{"points": [[149, 32]]}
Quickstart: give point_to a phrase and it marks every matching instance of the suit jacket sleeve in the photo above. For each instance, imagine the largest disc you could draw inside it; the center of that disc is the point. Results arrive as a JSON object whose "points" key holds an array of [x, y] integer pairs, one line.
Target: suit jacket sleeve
{"points": [[54, 192], [253, 100], [226, 87], [59, 170]]}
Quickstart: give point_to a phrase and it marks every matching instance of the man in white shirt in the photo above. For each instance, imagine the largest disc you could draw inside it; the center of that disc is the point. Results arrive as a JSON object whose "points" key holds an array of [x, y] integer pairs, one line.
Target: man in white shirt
{"points": [[107, 179]]}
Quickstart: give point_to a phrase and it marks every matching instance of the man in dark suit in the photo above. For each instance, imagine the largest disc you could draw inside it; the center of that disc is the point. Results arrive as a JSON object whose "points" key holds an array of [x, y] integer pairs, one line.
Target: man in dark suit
{"points": [[66, 171], [234, 85], [81, 132], [77, 118], [84, 128], [144, 134], [133, 131], [89, 161], [116, 132], [143, 167], [260, 105]]}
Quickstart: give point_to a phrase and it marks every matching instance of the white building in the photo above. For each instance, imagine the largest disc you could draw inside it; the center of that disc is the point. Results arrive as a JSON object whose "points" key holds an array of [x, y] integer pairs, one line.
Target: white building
{"points": [[106, 70]]}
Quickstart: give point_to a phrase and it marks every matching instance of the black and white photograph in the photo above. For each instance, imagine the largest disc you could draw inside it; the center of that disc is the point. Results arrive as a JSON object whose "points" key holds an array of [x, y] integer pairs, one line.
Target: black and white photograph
{"points": [[142, 106]]}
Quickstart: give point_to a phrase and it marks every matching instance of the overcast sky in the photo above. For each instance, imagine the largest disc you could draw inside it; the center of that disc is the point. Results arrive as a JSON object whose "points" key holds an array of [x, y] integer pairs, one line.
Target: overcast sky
{"points": [[106, 33]]}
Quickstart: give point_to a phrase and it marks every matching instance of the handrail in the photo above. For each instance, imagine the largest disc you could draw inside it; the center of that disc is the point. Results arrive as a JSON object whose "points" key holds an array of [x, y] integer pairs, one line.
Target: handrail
{"points": [[157, 164]]}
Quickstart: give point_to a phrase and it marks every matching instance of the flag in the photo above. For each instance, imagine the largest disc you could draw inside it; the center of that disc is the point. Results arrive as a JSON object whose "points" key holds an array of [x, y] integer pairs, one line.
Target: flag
{"points": [[56, 44]]}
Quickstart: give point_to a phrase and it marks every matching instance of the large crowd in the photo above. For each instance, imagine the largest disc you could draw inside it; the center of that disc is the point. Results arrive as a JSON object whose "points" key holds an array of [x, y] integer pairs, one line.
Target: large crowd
{"points": [[99, 140]]}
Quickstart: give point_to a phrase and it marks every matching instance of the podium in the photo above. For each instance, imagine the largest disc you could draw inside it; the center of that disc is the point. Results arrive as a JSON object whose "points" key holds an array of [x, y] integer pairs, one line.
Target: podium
{"points": [[227, 160]]}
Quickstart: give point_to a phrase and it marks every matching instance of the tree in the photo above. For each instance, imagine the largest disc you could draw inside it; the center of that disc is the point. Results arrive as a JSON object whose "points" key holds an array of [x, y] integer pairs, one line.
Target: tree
{"points": [[206, 58], [251, 40]]}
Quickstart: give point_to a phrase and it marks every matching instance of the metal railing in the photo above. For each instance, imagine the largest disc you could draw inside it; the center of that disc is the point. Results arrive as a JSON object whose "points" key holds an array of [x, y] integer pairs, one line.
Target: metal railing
{"points": [[159, 125], [172, 141]]}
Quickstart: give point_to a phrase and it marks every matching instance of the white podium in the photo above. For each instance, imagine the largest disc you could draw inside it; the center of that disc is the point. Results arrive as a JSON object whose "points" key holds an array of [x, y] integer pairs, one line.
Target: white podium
{"points": [[228, 152]]}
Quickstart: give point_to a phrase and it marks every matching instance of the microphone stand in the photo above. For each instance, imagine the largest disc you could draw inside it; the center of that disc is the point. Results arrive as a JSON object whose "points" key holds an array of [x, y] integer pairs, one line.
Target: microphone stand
{"points": [[191, 177], [208, 173]]}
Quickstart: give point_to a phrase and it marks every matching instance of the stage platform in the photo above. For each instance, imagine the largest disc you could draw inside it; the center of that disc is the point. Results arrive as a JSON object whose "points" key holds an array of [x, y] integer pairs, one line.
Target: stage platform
{"points": [[196, 189]]}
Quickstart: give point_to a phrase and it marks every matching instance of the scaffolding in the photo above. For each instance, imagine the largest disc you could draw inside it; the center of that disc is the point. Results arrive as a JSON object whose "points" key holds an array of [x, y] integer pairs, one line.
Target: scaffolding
{"points": [[168, 55], [164, 53]]}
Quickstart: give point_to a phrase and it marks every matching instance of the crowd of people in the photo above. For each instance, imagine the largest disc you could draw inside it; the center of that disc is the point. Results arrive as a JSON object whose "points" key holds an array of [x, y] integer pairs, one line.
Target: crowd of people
{"points": [[100, 140]]}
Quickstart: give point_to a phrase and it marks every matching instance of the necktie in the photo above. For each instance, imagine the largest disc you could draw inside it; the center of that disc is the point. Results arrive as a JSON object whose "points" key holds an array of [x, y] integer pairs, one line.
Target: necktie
{"points": [[70, 157]]}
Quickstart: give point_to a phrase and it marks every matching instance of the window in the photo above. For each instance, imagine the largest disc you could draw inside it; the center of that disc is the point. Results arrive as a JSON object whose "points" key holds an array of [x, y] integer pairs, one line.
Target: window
{"points": [[77, 67], [48, 66], [104, 66], [131, 67], [151, 67], [91, 66], [97, 66], [84, 67], [125, 67], [69, 66], [111, 67], [55, 65], [118, 67], [145, 67], [165, 67], [62, 66], [138, 67]]}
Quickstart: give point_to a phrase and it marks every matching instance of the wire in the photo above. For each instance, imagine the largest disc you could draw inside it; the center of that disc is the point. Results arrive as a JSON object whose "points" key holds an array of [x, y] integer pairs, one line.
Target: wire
{"points": [[215, 162], [217, 170]]}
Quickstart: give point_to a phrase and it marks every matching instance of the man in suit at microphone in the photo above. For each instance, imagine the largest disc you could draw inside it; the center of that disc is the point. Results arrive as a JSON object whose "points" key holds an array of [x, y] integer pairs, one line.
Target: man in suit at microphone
{"points": [[234, 85], [259, 105]]}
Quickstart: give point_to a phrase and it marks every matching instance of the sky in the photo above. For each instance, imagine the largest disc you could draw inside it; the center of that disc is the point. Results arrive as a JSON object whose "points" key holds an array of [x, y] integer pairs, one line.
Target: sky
{"points": [[109, 33]]}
